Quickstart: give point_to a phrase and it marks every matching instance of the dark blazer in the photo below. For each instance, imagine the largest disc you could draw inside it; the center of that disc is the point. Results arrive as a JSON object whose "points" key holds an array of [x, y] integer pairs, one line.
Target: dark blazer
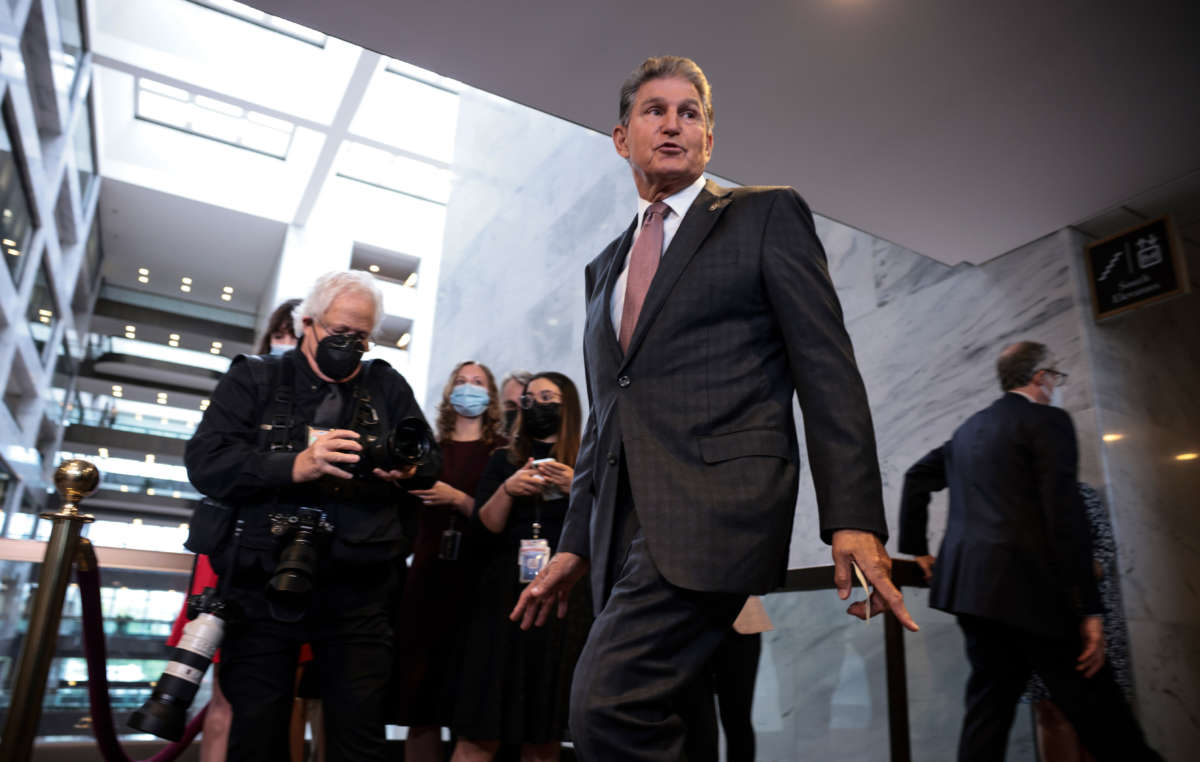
{"points": [[741, 314], [1017, 547]]}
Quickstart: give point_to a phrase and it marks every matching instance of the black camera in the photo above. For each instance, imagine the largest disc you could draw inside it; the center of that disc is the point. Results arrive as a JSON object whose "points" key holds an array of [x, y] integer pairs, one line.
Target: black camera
{"points": [[408, 444], [296, 571], [165, 712]]}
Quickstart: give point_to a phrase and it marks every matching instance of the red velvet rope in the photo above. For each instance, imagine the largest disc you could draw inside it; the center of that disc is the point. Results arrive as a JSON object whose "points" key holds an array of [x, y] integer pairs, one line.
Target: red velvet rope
{"points": [[97, 664]]}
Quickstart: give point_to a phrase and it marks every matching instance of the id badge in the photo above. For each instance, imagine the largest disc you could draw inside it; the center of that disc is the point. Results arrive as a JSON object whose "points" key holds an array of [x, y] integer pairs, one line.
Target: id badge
{"points": [[450, 544], [532, 557], [314, 432]]}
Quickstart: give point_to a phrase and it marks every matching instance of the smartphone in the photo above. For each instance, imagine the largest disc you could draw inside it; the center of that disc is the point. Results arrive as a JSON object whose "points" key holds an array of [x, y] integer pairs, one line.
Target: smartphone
{"points": [[540, 461]]}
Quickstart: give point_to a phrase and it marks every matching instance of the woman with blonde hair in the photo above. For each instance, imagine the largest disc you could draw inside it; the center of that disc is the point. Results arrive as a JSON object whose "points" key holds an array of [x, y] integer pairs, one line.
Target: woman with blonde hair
{"points": [[445, 562]]}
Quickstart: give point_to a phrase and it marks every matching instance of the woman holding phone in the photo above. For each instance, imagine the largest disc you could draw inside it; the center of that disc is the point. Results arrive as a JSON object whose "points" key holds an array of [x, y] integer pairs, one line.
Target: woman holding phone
{"points": [[514, 684]]}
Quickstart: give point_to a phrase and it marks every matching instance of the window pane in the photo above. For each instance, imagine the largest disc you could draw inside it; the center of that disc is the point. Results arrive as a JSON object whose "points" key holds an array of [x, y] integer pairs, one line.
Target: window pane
{"points": [[66, 63], [394, 172], [41, 314], [15, 224], [84, 158], [212, 118]]}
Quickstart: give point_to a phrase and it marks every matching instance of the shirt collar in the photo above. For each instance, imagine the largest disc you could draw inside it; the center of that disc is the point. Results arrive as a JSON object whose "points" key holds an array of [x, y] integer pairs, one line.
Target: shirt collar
{"points": [[1026, 396], [680, 202]]}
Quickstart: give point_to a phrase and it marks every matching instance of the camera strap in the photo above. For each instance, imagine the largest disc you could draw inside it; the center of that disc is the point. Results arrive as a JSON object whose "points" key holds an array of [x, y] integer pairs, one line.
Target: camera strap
{"points": [[226, 579]]}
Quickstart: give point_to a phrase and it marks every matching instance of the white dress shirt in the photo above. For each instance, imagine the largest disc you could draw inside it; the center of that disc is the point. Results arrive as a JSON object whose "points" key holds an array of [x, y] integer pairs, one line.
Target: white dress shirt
{"points": [[678, 204]]}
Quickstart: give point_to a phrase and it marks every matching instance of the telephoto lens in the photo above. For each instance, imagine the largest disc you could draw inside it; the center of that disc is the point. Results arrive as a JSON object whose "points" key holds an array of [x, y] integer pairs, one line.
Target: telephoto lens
{"points": [[165, 713]]}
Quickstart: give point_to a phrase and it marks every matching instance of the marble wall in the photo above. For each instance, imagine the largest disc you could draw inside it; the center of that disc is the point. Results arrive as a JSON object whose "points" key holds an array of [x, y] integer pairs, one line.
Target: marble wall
{"points": [[536, 198], [1146, 375]]}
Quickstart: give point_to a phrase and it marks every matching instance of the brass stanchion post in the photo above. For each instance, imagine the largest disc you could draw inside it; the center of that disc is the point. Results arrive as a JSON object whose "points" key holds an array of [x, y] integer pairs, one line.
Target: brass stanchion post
{"points": [[75, 480]]}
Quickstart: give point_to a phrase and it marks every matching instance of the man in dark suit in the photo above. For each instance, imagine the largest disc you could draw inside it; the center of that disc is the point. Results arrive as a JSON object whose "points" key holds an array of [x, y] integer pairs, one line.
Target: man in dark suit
{"points": [[703, 318], [1015, 564]]}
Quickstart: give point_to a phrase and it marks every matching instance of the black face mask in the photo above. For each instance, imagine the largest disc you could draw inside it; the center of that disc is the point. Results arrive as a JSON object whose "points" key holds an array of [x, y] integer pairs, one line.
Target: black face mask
{"points": [[542, 419], [338, 355], [510, 417]]}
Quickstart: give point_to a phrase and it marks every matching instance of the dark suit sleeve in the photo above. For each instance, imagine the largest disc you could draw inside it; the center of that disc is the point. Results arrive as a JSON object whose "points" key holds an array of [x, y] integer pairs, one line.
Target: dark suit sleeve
{"points": [[837, 419], [923, 478], [577, 522], [1056, 463]]}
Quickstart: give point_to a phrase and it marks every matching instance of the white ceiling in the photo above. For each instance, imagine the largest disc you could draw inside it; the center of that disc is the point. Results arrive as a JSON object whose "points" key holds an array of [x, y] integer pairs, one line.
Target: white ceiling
{"points": [[174, 237], [961, 130]]}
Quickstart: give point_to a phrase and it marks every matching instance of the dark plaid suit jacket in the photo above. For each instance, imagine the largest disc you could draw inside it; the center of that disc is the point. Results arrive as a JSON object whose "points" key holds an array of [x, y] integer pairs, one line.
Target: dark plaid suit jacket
{"points": [[741, 314]]}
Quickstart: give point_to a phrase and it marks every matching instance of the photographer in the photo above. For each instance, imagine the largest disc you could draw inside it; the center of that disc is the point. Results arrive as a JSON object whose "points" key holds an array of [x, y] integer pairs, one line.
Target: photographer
{"points": [[294, 444]]}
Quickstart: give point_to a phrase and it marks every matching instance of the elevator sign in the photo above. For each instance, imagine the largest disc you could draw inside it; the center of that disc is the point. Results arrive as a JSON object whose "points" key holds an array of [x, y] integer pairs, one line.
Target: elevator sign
{"points": [[1136, 268]]}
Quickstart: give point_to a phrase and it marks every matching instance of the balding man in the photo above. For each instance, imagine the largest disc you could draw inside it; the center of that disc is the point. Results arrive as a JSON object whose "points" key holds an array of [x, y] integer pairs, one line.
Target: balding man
{"points": [[703, 319]]}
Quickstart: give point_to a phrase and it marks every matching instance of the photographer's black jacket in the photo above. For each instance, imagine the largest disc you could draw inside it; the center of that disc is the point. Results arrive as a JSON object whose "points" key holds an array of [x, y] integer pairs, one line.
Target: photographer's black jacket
{"points": [[228, 458]]}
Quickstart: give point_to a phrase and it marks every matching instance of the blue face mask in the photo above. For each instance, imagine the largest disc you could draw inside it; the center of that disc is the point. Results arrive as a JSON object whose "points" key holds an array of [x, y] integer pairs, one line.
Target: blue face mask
{"points": [[469, 400], [279, 349]]}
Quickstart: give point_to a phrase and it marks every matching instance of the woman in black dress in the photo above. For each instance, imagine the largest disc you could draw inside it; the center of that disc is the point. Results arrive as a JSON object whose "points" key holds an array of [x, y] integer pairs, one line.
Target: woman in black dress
{"points": [[514, 684], [446, 561]]}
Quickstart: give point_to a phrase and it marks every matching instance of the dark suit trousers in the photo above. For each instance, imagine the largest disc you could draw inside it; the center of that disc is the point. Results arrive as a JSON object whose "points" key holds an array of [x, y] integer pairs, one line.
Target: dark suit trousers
{"points": [[1002, 658], [731, 676], [650, 641]]}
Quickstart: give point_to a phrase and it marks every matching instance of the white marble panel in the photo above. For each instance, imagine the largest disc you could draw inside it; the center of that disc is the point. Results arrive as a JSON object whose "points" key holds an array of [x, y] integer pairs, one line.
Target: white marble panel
{"points": [[928, 361]]}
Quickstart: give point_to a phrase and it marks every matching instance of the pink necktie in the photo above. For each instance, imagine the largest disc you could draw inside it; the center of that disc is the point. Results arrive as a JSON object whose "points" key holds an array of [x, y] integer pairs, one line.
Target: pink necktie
{"points": [[643, 262]]}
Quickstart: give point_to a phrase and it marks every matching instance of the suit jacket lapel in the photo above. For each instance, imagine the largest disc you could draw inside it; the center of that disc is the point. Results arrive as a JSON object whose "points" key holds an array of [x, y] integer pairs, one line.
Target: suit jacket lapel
{"points": [[608, 280], [693, 229]]}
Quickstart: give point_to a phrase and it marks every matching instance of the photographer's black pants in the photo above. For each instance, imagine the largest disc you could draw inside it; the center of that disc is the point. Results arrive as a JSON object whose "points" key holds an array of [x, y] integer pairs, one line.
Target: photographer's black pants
{"points": [[348, 626]]}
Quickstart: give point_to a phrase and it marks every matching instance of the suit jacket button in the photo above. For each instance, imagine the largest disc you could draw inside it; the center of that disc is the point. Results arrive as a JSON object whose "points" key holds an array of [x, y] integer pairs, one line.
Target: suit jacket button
{"points": [[623, 381], [612, 460]]}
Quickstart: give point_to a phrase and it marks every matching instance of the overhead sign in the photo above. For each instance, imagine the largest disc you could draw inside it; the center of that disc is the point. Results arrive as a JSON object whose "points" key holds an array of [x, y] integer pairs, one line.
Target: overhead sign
{"points": [[1135, 268]]}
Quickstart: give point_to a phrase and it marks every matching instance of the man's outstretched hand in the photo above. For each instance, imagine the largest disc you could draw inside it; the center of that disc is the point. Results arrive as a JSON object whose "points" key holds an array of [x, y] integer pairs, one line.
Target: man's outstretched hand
{"points": [[549, 590], [865, 549]]}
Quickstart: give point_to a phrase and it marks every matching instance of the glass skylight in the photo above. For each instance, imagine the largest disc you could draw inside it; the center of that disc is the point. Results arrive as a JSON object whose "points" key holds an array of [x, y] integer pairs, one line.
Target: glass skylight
{"points": [[266, 20], [358, 161], [405, 111], [214, 119]]}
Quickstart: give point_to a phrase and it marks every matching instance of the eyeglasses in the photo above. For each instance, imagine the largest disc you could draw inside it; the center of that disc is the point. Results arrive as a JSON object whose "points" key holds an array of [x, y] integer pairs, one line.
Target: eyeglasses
{"points": [[545, 396], [1058, 376], [362, 337]]}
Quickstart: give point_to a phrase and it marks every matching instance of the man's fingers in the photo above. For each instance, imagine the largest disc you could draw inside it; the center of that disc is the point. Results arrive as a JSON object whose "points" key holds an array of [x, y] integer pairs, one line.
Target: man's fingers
{"points": [[858, 609], [841, 576], [887, 594], [332, 470]]}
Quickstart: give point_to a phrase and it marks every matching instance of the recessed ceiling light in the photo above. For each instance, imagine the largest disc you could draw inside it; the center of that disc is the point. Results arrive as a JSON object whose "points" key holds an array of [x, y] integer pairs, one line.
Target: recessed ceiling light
{"points": [[130, 328], [176, 495], [103, 452], [45, 313], [1187, 456], [226, 297], [143, 271], [14, 252], [8, 242], [149, 457], [411, 280], [143, 279], [186, 280], [228, 289], [117, 387], [173, 343], [174, 336], [214, 351], [185, 288], [137, 416], [1113, 437], [404, 339], [374, 268], [217, 344], [118, 393], [124, 487], [162, 400]]}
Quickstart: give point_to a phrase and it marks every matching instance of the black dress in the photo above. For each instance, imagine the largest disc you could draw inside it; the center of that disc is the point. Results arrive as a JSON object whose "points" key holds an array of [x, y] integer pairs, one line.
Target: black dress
{"points": [[436, 598], [514, 684]]}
